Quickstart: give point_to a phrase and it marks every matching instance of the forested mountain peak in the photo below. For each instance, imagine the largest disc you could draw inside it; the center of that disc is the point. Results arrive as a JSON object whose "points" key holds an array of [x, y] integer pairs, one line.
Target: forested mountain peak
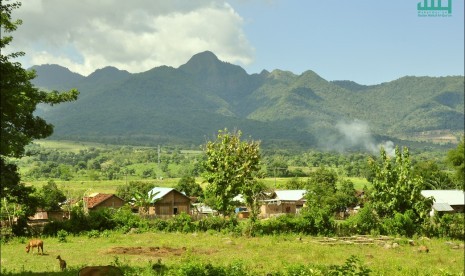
{"points": [[53, 75], [206, 94]]}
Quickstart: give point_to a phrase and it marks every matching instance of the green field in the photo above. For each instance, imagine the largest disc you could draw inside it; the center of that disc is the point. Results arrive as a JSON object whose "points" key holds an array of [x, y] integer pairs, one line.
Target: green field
{"points": [[110, 186], [260, 255]]}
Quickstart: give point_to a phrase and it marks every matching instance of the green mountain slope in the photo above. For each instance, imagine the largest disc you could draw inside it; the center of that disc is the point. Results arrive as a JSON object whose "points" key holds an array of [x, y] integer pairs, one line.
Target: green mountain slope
{"points": [[191, 103]]}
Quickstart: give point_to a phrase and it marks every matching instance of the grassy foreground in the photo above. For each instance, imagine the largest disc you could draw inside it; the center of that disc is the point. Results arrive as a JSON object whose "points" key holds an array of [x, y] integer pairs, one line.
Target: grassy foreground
{"points": [[260, 255]]}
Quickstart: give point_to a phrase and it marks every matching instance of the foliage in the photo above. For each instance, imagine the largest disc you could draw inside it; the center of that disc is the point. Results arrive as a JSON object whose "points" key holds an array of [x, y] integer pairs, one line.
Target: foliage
{"points": [[19, 99], [253, 192], [450, 226], [400, 224], [321, 190], [311, 222], [364, 222], [396, 189], [230, 168], [51, 197], [62, 236], [124, 217], [456, 157], [433, 177], [144, 201], [345, 195], [188, 185], [126, 192], [352, 267], [293, 183]]}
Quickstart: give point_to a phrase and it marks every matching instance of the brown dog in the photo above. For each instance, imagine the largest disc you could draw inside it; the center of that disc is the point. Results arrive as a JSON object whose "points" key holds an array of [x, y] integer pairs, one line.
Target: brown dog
{"points": [[35, 243]]}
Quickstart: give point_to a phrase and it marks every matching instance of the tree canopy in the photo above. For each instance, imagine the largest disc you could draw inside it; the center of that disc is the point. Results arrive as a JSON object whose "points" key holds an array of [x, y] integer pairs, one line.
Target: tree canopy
{"points": [[396, 189], [231, 168], [19, 99], [456, 157]]}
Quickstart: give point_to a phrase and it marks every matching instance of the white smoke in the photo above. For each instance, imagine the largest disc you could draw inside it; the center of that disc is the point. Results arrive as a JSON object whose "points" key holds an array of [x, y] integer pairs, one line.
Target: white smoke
{"points": [[357, 134]]}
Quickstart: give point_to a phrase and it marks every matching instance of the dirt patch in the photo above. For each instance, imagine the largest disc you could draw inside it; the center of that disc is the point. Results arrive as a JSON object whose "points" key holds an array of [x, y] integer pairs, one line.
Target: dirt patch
{"points": [[149, 251]]}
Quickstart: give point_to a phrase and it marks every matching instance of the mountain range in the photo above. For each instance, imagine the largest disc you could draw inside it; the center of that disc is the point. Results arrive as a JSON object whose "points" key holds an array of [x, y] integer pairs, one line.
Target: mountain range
{"points": [[189, 104]]}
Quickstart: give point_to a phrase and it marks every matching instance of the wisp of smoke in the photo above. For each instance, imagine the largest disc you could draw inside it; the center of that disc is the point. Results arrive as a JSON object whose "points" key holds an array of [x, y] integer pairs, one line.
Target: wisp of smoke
{"points": [[357, 134]]}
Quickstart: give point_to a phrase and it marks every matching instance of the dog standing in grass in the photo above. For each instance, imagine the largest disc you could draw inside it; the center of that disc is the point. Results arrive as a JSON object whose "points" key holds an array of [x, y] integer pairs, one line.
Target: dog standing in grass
{"points": [[62, 263], [35, 243]]}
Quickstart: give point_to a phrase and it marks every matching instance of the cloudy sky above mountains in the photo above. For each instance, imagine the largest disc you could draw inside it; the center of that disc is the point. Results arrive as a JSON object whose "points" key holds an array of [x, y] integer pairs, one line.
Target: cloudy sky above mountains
{"points": [[361, 40]]}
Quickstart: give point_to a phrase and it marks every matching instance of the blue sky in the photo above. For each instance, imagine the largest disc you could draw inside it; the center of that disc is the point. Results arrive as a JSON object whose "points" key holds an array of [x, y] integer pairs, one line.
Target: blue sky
{"points": [[369, 42]]}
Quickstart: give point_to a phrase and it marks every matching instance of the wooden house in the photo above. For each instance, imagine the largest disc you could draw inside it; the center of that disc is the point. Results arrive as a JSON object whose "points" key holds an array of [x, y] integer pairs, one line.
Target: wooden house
{"points": [[97, 201], [168, 202], [283, 202]]}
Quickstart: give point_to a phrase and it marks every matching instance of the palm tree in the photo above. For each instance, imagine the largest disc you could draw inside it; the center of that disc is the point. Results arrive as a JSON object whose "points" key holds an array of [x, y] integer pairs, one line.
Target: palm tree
{"points": [[143, 201]]}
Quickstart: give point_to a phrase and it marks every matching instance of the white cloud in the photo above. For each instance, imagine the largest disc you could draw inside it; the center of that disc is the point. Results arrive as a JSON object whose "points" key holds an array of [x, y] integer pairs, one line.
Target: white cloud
{"points": [[85, 35]]}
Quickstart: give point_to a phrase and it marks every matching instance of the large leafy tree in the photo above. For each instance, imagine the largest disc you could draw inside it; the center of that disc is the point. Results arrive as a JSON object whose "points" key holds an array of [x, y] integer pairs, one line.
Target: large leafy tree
{"points": [[396, 189], [231, 168], [19, 99], [321, 189]]}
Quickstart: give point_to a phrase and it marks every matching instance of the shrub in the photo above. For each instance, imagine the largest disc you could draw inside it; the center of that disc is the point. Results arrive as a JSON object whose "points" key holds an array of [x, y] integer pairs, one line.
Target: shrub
{"points": [[400, 224], [93, 234], [180, 223], [62, 235], [366, 221], [352, 266], [450, 225], [125, 217]]}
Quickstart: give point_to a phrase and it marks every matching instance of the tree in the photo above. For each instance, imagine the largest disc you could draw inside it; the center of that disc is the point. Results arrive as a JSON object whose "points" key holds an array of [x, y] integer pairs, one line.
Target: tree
{"points": [[143, 201], [127, 192], [433, 177], [252, 193], [188, 185], [231, 167], [18, 101], [456, 157], [396, 189], [50, 197], [321, 189]]}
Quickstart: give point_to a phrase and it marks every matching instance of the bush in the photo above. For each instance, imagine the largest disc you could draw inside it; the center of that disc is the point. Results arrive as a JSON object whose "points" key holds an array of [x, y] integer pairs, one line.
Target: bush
{"points": [[125, 217], [101, 219], [93, 234], [366, 221], [62, 235], [400, 224], [450, 225], [352, 266], [180, 223]]}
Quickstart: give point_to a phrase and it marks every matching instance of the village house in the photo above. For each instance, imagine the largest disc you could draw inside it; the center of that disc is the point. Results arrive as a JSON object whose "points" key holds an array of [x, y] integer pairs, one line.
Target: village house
{"points": [[446, 201], [97, 201], [283, 202], [168, 202]]}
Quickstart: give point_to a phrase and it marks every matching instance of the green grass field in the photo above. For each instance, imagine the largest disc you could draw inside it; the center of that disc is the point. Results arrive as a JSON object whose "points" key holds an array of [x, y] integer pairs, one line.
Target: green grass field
{"points": [[260, 255]]}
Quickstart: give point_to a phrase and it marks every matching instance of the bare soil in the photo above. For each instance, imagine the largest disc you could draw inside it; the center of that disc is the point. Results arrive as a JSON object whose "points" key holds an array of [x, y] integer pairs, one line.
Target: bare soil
{"points": [[154, 251]]}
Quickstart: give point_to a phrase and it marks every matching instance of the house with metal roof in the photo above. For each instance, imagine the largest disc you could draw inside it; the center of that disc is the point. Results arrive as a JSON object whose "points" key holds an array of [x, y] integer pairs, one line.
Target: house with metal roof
{"points": [[446, 201], [283, 202], [168, 202]]}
